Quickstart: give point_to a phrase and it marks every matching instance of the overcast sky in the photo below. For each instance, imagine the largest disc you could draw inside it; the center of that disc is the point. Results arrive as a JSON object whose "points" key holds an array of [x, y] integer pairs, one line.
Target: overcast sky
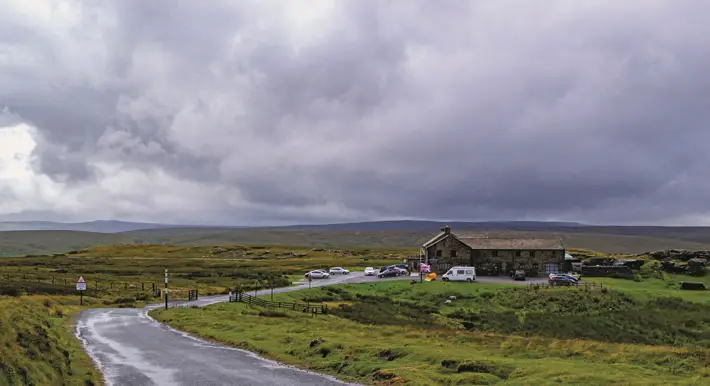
{"points": [[272, 112]]}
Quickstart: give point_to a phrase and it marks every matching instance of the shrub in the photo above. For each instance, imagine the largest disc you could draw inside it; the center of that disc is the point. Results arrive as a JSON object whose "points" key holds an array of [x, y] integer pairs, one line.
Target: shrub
{"points": [[272, 314]]}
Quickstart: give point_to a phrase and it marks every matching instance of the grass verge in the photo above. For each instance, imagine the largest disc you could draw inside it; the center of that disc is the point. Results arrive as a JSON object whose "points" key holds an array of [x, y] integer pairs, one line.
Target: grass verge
{"points": [[392, 344], [38, 347]]}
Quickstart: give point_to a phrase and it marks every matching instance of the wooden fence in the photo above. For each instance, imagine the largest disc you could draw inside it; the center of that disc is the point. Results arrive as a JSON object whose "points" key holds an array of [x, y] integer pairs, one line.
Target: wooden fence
{"points": [[241, 296]]}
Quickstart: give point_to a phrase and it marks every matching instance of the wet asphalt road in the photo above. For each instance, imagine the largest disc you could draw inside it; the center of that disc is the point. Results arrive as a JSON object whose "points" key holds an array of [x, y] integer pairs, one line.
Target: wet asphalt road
{"points": [[132, 349]]}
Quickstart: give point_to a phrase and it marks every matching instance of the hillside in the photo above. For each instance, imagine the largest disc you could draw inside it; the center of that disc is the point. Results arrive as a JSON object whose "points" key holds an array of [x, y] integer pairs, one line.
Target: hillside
{"points": [[91, 226], [603, 239]]}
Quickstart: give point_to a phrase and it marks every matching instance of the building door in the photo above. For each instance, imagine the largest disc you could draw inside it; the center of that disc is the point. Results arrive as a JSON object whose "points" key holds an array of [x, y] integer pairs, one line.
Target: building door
{"points": [[551, 268]]}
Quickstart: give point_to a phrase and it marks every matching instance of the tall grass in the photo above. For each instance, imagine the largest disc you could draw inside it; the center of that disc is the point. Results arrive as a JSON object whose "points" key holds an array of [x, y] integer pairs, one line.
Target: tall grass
{"points": [[37, 346]]}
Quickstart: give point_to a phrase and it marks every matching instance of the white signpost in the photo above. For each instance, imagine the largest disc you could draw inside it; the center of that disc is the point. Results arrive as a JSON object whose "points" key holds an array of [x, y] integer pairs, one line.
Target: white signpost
{"points": [[81, 287]]}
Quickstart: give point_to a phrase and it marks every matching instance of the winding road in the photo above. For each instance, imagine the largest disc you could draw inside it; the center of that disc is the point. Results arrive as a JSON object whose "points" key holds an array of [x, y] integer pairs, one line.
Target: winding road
{"points": [[130, 348]]}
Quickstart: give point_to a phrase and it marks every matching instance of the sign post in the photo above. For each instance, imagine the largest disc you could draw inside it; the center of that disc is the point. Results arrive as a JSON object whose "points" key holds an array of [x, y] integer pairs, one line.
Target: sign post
{"points": [[423, 268], [81, 287], [166, 288]]}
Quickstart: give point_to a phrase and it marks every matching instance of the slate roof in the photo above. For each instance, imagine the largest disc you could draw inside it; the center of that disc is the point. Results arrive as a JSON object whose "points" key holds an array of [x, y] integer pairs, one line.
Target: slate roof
{"points": [[434, 240], [503, 244]]}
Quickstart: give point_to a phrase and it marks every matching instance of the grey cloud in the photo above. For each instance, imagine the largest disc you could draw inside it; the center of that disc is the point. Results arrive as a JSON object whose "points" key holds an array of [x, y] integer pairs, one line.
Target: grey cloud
{"points": [[460, 110]]}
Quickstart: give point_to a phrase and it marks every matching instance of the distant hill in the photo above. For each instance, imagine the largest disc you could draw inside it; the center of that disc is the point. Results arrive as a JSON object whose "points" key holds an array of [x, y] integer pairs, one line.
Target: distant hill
{"points": [[396, 234], [91, 226], [432, 225]]}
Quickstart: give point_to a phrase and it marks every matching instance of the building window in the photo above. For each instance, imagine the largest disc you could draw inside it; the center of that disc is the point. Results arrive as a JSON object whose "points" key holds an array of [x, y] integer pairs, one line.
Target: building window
{"points": [[453, 253], [495, 253], [438, 253]]}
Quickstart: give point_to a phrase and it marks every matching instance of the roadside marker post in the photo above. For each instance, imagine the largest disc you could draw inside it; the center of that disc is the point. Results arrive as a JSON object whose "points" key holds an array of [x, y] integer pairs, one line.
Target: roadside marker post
{"points": [[81, 287], [166, 288]]}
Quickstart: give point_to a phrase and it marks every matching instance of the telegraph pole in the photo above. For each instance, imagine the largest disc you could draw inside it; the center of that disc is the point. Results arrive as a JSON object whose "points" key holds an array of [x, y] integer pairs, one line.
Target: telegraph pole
{"points": [[166, 288]]}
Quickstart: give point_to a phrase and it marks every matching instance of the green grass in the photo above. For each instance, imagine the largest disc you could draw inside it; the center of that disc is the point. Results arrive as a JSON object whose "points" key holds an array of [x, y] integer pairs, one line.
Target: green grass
{"points": [[368, 319], [37, 294], [649, 289], [436, 354], [38, 347]]}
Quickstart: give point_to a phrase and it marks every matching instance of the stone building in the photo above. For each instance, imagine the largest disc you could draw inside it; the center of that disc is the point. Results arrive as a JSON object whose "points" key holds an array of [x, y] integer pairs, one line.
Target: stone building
{"points": [[494, 256]]}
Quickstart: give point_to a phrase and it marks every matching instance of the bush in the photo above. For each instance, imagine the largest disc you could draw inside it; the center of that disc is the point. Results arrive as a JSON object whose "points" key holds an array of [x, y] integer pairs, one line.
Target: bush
{"points": [[272, 314]]}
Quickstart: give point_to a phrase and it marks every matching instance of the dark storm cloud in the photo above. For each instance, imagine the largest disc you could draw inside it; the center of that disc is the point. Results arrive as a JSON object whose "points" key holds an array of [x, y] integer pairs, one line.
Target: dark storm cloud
{"points": [[593, 110]]}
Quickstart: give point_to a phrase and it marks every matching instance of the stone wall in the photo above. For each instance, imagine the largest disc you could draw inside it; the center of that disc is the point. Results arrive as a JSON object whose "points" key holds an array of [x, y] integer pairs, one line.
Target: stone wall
{"points": [[619, 271]]}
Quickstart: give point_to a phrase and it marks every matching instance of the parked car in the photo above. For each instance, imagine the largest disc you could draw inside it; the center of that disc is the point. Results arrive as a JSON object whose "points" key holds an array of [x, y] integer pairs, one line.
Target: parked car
{"points": [[389, 272], [566, 275], [338, 270], [317, 274], [400, 271], [460, 274], [403, 267], [369, 271], [562, 280], [519, 275]]}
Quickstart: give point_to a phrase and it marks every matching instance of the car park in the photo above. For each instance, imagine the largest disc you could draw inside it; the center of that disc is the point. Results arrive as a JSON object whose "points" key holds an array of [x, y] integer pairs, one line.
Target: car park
{"points": [[369, 271], [338, 271], [317, 274]]}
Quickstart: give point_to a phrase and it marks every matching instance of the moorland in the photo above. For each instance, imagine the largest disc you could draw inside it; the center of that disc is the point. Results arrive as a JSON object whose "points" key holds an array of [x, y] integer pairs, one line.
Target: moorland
{"points": [[60, 238], [641, 331]]}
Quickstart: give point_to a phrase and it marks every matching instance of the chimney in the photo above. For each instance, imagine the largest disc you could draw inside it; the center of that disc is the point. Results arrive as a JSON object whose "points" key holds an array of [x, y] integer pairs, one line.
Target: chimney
{"points": [[446, 230]]}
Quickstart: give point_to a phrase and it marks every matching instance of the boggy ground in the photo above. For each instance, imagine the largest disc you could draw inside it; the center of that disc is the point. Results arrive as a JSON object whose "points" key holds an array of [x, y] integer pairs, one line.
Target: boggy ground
{"points": [[397, 332]]}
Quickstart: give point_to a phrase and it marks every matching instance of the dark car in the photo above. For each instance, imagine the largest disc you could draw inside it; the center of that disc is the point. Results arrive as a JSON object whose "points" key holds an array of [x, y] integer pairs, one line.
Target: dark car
{"points": [[389, 272], [574, 279], [562, 280], [519, 275]]}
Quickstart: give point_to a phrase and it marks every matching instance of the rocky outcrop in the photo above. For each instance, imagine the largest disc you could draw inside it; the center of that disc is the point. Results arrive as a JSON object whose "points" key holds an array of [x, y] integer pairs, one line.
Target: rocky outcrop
{"points": [[677, 254]]}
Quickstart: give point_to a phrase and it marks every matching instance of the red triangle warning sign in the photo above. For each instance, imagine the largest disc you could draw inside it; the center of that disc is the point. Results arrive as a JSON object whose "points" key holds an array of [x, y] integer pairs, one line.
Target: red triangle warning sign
{"points": [[81, 279]]}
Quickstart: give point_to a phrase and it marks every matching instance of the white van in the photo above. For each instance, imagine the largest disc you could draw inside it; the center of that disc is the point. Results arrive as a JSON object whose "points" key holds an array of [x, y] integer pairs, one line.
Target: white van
{"points": [[460, 274]]}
